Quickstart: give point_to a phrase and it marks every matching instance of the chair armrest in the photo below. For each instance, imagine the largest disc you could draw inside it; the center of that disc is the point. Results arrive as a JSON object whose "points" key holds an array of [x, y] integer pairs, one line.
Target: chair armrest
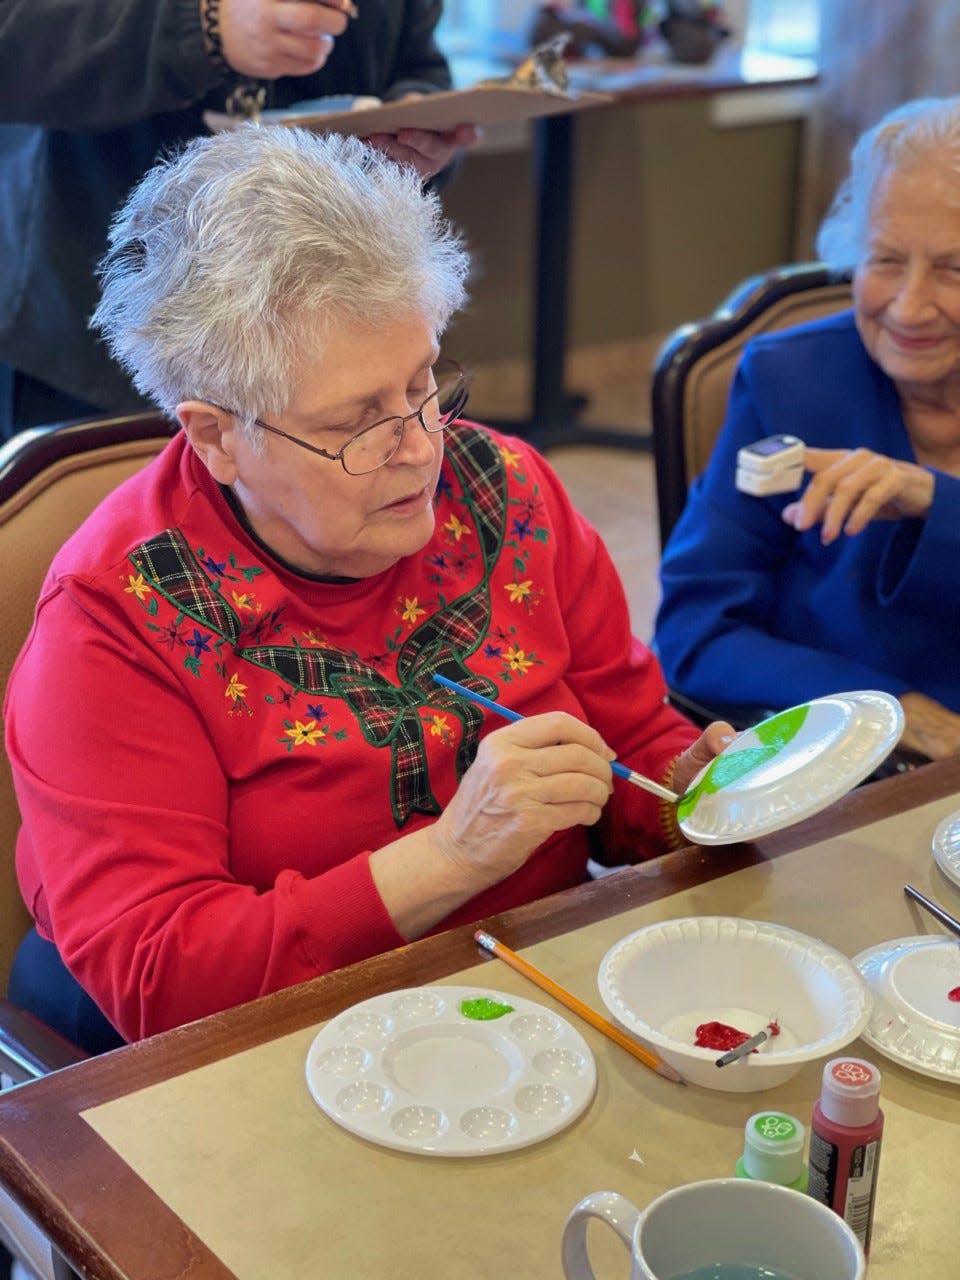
{"points": [[29, 1048]]}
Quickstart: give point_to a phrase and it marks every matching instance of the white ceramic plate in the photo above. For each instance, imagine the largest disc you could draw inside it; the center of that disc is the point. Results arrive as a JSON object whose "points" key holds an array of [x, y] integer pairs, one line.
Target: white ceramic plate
{"points": [[412, 1070], [914, 1021], [790, 766], [946, 847]]}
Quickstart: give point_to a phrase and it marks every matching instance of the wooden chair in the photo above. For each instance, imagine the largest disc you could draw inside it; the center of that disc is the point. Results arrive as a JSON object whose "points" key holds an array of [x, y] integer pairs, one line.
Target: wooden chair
{"points": [[694, 369], [51, 478]]}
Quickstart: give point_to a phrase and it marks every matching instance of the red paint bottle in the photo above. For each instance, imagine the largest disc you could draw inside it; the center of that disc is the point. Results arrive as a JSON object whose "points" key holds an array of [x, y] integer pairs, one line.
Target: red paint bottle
{"points": [[845, 1143]]}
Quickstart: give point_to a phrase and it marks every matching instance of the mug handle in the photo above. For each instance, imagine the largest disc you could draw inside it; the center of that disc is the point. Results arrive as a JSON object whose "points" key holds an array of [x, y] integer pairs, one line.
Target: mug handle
{"points": [[607, 1206]]}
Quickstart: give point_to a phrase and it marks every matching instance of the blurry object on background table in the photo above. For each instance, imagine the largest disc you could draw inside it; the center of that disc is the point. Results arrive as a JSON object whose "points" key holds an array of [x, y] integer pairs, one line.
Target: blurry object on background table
{"points": [[693, 29], [589, 30], [544, 67], [618, 28]]}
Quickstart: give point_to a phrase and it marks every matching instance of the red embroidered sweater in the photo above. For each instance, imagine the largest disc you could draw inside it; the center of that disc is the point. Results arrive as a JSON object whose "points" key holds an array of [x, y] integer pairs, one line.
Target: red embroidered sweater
{"points": [[207, 745]]}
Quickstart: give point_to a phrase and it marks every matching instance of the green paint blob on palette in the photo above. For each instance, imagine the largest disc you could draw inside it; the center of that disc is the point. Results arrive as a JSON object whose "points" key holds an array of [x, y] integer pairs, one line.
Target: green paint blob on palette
{"points": [[483, 1009], [774, 735]]}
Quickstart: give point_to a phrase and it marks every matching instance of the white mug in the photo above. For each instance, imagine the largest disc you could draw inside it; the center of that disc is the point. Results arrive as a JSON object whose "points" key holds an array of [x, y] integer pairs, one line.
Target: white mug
{"points": [[731, 1221]]}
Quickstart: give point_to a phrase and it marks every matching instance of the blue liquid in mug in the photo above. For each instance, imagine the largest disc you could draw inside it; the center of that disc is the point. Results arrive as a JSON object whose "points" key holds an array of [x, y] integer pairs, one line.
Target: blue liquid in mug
{"points": [[735, 1271]]}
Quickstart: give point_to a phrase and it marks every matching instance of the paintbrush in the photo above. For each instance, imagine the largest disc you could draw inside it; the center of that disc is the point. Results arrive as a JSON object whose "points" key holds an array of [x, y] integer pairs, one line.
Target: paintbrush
{"points": [[748, 1046], [507, 713], [946, 919], [577, 1006]]}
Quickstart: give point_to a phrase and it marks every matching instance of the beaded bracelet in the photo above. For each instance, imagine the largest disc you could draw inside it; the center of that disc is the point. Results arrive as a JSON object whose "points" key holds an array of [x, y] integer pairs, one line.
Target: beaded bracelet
{"points": [[669, 825]]}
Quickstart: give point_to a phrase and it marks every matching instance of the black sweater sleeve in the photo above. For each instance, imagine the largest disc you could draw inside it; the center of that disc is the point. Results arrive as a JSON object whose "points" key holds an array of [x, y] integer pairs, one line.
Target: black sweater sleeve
{"points": [[92, 65]]}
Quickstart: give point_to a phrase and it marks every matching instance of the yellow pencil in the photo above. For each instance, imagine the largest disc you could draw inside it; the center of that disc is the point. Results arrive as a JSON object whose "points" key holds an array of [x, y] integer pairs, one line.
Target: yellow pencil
{"points": [[567, 998]]}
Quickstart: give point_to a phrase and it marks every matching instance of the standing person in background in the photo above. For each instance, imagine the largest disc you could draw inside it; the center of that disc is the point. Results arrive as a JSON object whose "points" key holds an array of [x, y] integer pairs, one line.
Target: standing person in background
{"points": [[93, 91], [850, 582]]}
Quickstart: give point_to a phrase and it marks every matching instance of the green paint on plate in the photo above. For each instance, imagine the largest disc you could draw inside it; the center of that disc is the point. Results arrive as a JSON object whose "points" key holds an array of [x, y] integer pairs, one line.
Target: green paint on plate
{"points": [[484, 1009], [728, 768]]}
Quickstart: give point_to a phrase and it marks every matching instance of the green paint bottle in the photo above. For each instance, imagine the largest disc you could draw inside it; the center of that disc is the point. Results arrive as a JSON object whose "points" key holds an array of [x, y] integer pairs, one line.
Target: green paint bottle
{"points": [[773, 1150]]}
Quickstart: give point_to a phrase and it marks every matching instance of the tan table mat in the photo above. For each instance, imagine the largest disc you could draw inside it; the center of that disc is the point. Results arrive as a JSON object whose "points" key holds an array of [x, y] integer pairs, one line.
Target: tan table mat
{"points": [[239, 1150]]}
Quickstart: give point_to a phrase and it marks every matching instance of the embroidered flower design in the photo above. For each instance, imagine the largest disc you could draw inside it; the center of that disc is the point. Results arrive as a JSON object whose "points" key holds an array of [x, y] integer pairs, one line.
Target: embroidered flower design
{"points": [[457, 528], [301, 734], [246, 600], [198, 642], [524, 593], [411, 609], [217, 568], [518, 590], [517, 660], [318, 642], [510, 459], [234, 690], [137, 586], [440, 728]]}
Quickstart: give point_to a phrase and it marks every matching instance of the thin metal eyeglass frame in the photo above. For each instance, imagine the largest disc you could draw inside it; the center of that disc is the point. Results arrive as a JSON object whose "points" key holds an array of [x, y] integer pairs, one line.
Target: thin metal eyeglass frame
{"points": [[457, 406]]}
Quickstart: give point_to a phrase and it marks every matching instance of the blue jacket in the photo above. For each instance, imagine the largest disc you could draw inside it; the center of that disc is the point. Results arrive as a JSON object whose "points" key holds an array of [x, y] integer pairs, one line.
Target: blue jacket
{"points": [[755, 613], [92, 93]]}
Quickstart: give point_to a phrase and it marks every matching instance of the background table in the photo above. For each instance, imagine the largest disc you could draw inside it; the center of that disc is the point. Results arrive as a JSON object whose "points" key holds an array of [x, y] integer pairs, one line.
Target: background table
{"points": [[200, 1153], [649, 77]]}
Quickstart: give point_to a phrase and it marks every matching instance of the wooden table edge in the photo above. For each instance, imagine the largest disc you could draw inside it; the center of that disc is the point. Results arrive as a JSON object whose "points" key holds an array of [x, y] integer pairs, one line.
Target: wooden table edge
{"points": [[42, 1131]]}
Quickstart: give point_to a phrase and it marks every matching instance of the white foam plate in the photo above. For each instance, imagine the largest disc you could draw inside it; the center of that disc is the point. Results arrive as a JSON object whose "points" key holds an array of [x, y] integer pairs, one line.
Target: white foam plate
{"points": [[946, 847], [914, 1021], [790, 766], [411, 1070]]}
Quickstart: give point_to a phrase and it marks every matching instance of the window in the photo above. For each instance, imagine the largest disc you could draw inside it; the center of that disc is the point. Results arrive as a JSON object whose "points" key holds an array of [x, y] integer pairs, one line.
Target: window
{"points": [[773, 26]]}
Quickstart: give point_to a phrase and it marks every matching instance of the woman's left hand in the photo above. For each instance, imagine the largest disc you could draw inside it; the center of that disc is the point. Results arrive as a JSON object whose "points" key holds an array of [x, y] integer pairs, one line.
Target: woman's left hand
{"points": [[851, 487], [428, 151], [711, 742]]}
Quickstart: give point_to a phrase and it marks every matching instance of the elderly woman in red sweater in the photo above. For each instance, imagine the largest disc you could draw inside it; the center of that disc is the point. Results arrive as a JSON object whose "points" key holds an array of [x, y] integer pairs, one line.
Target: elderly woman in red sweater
{"points": [[234, 767]]}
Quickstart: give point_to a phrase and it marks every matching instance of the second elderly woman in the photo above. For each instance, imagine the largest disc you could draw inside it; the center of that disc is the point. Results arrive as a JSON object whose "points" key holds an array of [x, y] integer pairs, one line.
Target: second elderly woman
{"points": [[850, 583]]}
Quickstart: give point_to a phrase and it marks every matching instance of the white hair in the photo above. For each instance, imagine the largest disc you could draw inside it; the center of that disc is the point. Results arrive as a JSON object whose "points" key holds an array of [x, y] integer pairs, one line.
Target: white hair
{"points": [[232, 255], [925, 130]]}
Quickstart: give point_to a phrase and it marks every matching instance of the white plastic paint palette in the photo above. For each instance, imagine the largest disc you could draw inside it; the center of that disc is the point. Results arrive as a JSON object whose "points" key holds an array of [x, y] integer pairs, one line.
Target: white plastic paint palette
{"points": [[790, 766], [451, 1071]]}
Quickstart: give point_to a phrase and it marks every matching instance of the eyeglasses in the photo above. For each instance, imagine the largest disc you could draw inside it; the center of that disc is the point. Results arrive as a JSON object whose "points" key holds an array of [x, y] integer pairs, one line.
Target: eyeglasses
{"points": [[374, 446]]}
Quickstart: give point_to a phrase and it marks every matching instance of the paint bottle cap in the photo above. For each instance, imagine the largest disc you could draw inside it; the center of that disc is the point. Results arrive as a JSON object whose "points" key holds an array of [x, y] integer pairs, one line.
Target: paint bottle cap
{"points": [[773, 1150], [851, 1092]]}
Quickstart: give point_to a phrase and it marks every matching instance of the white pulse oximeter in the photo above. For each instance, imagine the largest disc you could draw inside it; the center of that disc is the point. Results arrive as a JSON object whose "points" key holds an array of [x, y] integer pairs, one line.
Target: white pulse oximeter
{"points": [[771, 465]]}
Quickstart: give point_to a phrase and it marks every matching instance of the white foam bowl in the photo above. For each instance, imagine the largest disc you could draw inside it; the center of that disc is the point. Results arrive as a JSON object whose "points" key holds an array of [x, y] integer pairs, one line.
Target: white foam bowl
{"points": [[663, 981]]}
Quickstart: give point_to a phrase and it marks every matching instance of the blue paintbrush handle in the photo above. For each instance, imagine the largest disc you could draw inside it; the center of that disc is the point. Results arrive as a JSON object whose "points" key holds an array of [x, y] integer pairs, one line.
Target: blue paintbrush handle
{"points": [[507, 713]]}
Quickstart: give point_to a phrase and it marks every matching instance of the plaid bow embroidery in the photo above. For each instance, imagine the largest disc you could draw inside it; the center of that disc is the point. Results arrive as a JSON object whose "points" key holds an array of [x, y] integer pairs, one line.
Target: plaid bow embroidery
{"points": [[389, 715]]}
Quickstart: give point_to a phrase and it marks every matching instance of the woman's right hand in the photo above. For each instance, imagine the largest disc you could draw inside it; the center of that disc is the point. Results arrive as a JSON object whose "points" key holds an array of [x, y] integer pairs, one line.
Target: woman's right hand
{"points": [[529, 779], [268, 39], [931, 728], [852, 487]]}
